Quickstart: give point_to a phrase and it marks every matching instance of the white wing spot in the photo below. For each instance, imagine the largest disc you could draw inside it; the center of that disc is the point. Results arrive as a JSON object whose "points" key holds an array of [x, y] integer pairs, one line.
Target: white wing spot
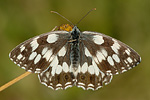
{"points": [[22, 48], [32, 55], [124, 70], [98, 39], [14, 56], [44, 83], [58, 69], [52, 38], [37, 70], [104, 52], [23, 58], [87, 53], [34, 44], [115, 47], [23, 67], [18, 65], [100, 56], [58, 85], [81, 87], [57, 88], [98, 87], [68, 83], [95, 68], [50, 87], [65, 67], [95, 59], [47, 55], [127, 51], [29, 70], [91, 69], [129, 68], [19, 56], [110, 61], [84, 67], [68, 86], [125, 61], [108, 71], [54, 65], [45, 80], [50, 78], [37, 59], [44, 50], [52, 57], [90, 85], [129, 60], [90, 88], [79, 83], [62, 51], [116, 58], [135, 60]]}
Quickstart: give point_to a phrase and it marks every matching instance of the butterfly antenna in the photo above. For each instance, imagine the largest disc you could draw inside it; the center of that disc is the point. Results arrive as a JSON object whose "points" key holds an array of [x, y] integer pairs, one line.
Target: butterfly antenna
{"points": [[62, 16], [85, 15]]}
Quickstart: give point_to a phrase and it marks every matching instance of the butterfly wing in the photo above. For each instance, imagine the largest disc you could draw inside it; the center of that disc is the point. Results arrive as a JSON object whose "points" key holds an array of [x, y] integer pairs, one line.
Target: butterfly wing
{"points": [[36, 54], [58, 75], [101, 58], [90, 76], [110, 55]]}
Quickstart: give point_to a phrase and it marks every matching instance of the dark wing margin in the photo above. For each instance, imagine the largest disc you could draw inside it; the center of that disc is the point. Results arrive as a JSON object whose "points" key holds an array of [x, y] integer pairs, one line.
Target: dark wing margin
{"points": [[36, 54], [111, 55]]}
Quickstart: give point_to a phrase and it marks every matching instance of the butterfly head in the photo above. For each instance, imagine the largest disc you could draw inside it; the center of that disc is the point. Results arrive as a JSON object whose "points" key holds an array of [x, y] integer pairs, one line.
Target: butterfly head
{"points": [[75, 33]]}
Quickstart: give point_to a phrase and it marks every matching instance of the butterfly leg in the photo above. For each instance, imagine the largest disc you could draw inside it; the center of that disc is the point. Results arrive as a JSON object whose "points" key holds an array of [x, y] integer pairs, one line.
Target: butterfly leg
{"points": [[54, 29]]}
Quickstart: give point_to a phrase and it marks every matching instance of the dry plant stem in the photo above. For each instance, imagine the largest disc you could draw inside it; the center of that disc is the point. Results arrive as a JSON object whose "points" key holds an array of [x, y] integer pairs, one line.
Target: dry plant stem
{"points": [[54, 28], [14, 81]]}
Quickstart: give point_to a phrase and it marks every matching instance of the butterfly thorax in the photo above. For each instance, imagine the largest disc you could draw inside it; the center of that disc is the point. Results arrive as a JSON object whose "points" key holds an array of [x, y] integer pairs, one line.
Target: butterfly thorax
{"points": [[75, 33], [75, 51]]}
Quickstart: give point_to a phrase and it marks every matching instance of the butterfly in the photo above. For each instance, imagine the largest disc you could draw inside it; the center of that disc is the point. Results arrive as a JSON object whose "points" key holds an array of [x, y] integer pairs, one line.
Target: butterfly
{"points": [[68, 57]]}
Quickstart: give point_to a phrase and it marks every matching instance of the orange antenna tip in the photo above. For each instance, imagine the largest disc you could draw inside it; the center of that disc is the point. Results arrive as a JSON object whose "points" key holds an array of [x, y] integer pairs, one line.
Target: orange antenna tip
{"points": [[94, 8]]}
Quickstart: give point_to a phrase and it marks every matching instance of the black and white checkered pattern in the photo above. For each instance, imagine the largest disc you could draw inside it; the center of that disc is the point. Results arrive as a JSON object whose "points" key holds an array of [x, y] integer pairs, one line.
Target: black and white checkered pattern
{"points": [[85, 59]]}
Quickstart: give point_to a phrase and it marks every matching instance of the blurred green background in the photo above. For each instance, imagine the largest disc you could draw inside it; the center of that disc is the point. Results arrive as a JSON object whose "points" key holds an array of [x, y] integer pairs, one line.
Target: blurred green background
{"points": [[126, 20]]}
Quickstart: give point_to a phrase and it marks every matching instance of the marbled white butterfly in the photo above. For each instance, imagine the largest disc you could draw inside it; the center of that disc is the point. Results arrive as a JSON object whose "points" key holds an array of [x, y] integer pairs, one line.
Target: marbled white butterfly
{"points": [[69, 57]]}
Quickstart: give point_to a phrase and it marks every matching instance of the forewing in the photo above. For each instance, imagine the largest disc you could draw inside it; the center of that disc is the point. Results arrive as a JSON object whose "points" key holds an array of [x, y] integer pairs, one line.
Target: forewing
{"points": [[110, 55], [36, 54]]}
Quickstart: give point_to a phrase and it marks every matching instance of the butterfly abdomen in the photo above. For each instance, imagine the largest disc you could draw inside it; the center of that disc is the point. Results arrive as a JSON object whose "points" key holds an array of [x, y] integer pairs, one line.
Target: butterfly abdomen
{"points": [[75, 54], [75, 50]]}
